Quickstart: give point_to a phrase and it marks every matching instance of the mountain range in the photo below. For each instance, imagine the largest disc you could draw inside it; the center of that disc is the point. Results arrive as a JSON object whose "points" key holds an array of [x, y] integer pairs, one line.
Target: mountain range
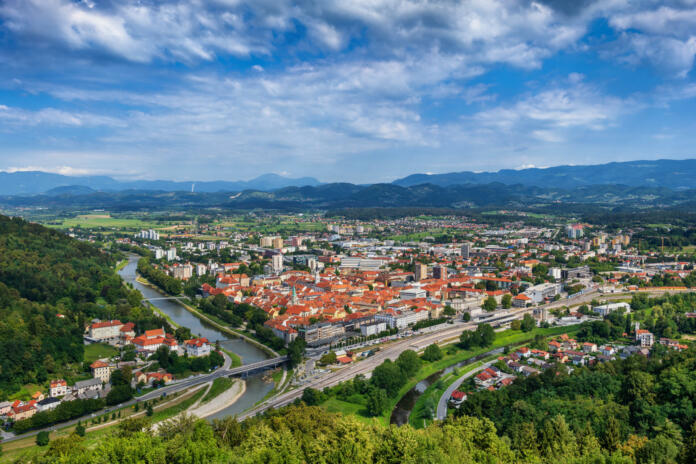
{"points": [[672, 174], [37, 182]]}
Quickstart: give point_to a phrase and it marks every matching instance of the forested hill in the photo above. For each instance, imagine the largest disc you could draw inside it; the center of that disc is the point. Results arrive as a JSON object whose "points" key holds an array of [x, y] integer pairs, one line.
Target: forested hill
{"points": [[51, 286]]}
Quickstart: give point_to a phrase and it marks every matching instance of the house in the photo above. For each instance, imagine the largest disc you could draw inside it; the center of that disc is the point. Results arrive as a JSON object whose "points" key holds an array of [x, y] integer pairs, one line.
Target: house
{"points": [[524, 352], [139, 376], [21, 411], [554, 345], [197, 347], [165, 377], [47, 404], [645, 338], [540, 354], [101, 371], [457, 398], [589, 347], [58, 388], [521, 300], [344, 360], [153, 339], [5, 408], [38, 396], [84, 386]]}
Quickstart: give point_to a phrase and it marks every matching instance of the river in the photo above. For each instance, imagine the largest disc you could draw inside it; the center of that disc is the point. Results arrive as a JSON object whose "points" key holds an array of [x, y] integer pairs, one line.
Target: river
{"points": [[256, 388]]}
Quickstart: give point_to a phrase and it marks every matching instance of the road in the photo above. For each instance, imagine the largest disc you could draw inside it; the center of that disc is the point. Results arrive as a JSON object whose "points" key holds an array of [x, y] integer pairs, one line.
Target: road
{"points": [[442, 403]]}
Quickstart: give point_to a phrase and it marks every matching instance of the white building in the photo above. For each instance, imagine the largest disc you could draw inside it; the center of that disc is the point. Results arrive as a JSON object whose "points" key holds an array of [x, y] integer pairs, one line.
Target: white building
{"points": [[538, 293], [373, 329], [201, 269], [58, 388], [605, 309], [400, 319], [197, 347], [412, 293], [277, 262], [105, 330]]}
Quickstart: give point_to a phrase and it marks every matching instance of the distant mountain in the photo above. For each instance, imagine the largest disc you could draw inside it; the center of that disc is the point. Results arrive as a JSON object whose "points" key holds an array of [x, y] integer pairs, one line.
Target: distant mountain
{"points": [[37, 182], [672, 174], [334, 196]]}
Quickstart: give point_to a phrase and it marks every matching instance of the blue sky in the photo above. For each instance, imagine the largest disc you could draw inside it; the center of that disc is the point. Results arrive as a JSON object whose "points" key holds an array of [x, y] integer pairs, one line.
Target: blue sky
{"points": [[359, 91]]}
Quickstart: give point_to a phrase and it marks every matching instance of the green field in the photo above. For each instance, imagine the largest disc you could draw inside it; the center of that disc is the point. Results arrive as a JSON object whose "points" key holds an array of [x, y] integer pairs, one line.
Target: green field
{"points": [[99, 350], [105, 220], [217, 388]]}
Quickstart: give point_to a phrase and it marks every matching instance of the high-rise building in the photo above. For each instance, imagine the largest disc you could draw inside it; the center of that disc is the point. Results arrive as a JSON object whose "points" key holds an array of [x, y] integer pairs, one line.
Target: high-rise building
{"points": [[171, 254], [277, 243], [466, 250], [266, 242], [421, 271], [440, 272], [277, 262]]}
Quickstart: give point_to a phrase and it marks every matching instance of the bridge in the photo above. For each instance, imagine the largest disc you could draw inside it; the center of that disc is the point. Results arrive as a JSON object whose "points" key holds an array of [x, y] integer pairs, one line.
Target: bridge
{"points": [[162, 298], [248, 369]]}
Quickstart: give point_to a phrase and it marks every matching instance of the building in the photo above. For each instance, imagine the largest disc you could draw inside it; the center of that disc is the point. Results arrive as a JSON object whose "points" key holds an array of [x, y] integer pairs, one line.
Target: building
{"points": [[153, 339], [373, 329], [539, 293], [5, 408], [58, 388], [574, 231], [412, 293], [440, 272], [171, 254], [47, 404], [582, 272], [201, 269], [85, 386], [278, 243], [317, 334], [107, 330], [197, 347], [605, 309], [645, 338], [21, 411], [149, 234], [400, 319], [277, 262], [421, 271], [466, 250], [101, 371], [555, 273], [183, 272]]}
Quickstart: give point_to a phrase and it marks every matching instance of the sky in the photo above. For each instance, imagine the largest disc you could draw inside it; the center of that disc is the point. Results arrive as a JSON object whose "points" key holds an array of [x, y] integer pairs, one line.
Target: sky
{"points": [[358, 91]]}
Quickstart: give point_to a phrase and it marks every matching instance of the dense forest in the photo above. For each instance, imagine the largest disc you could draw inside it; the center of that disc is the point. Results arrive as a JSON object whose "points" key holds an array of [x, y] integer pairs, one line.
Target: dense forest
{"points": [[51, 287], [635, 410], [303, 434]]}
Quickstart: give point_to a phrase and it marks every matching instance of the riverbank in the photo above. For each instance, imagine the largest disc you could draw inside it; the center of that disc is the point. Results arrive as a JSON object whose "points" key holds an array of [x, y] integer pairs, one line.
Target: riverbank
{"points": [[221, 401]]}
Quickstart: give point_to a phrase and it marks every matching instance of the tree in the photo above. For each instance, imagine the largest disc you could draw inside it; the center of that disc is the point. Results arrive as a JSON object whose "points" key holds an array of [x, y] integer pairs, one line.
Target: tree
{"points": [[312, 397], [409, 363], [490, 304], [389, 377], [612, 434], [689, 450], [296, 350], [449, 311], [507, 301], [466, 317], [328, 358], [42, 438], [376, 402], [486, 334], [432, 353], [119, 394], [528, 323], [149, 411], [80, 429], [182, 333]]}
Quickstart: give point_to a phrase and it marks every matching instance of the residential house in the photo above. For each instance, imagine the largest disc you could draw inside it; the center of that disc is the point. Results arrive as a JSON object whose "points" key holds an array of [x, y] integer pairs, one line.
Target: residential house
{"points": [[84, 386], [47, 404], [197, 347], [101, 371], [58, 388], [105, 331], [457, 398]]}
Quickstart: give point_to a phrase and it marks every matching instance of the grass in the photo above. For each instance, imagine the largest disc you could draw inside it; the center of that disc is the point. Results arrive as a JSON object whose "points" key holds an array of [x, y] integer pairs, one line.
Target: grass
{"points": [[344, 407], [219, 385], [236, 359], [96, 221], [277, 387], [181, 407], [98, 351]]}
